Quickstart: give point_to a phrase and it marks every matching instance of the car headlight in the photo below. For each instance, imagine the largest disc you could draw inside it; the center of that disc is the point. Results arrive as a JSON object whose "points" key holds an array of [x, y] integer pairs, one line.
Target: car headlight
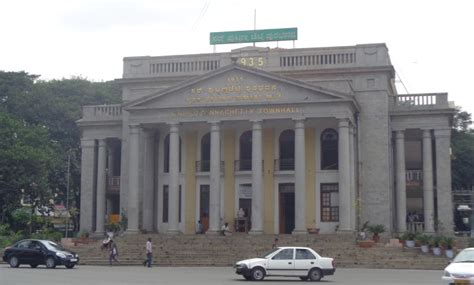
{"points": [[77, 255], [60, 254], [240, 265], [446, 274]]}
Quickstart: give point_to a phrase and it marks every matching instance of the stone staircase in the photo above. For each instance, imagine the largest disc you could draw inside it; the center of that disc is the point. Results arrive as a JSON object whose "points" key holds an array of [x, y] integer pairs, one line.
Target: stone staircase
{"points": [[209, 250]]}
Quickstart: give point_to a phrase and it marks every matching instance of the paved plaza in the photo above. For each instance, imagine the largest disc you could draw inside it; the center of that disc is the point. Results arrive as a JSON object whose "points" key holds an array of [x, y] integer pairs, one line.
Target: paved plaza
{"points": [[104, 275]]}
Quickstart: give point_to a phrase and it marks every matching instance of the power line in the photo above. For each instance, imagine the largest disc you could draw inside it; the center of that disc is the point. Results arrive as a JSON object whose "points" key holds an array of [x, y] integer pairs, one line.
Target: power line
{"points": [[201, 14], [401, 81]]}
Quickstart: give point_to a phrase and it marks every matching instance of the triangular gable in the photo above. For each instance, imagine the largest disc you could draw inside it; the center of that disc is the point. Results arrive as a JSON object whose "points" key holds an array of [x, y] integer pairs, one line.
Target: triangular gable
{"points": [[237, 85]]}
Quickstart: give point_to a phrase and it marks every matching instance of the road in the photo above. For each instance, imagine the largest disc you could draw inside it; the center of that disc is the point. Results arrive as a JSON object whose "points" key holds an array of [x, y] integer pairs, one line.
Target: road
{"points": [[104, 275]]}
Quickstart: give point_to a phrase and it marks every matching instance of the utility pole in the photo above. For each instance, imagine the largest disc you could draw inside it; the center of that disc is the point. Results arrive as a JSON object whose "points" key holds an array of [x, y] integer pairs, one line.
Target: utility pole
{"points": [[67, 190]]}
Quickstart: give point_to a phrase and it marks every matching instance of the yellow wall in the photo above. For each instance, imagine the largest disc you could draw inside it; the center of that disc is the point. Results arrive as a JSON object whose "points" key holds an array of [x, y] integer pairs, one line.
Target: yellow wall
{"points": [[268, 157], [310, 153], [229, 178], [190, 211]]}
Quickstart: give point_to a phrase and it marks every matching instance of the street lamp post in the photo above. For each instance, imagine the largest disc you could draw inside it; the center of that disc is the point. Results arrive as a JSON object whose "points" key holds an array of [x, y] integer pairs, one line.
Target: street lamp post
{"points": [[67, 191]]}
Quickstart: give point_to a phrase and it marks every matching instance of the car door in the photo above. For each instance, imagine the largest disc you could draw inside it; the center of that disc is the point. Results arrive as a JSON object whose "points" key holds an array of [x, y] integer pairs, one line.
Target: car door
{"points": [[304, 261], [282, 263], [22, 251], [36, 253]]}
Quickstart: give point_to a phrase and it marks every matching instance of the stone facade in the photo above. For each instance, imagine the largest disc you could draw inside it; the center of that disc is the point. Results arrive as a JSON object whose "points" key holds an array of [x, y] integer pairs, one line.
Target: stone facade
{"points": [[299, 138]]}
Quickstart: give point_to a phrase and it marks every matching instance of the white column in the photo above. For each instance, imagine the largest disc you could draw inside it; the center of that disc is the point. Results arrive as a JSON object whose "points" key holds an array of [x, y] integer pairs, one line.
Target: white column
{"points": [[110, 161], [133, 178], [300, 179], [148, 185], [428, 195], [401, 181], [173, 203], [344, 176], [100, 206], [214, 215], [257, 179], [352, 178], [443, 181], [87, 184]]}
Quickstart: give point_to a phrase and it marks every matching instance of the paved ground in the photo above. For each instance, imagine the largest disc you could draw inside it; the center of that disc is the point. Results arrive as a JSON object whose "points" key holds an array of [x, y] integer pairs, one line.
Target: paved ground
{"points": [[97, 275]]}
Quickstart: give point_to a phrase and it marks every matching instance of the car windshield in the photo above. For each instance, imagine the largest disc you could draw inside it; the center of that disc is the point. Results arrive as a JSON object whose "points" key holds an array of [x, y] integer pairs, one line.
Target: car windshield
{"points": [[51, 245], [465, 256], [268, 253]]}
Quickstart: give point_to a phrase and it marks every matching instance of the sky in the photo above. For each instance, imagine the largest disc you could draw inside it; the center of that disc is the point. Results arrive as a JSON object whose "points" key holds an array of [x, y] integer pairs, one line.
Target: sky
{"points": [[430, 42]]}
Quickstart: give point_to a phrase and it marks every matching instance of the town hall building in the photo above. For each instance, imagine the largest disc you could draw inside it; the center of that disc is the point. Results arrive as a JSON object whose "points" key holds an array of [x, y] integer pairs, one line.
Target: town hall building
{"points": [[299, 140]]}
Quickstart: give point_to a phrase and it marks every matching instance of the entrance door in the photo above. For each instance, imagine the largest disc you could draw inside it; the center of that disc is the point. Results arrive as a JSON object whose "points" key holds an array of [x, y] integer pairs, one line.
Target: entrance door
{"points": [[287, 207], [204, 206]]}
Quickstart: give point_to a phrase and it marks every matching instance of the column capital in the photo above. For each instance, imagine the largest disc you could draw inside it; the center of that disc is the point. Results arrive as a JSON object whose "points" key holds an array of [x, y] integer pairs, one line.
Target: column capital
{"points": [[85, 143], [215, 126], [174, 127], [299, 124], [102, 143], [344, 123], [134, 128], [400, 135], [256, 125], [427, 133]]}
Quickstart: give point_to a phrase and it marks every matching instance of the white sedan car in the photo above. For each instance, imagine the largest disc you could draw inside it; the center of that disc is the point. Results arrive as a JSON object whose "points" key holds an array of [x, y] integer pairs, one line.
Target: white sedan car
{"points": [[302, 262], [461, 269]]}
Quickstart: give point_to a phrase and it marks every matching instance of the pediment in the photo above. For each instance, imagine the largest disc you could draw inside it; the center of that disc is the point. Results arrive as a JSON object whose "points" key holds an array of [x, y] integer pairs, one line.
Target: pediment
{"points": [[237, 85]]}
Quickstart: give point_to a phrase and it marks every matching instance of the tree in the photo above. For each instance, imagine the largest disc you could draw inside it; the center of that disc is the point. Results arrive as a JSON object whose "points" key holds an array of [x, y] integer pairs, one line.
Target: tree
{"points": [[462, 144]]}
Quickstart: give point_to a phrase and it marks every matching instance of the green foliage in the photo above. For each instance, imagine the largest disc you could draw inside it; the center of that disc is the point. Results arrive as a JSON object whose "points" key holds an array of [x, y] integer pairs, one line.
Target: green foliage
{"points": [[38, 132], [113, 227], [408, 236], [447, 242], [123, 219], [7, 236], [436, 241], [48, 234], [462, 144], [84, 234], [376, 229], [423, 239]]}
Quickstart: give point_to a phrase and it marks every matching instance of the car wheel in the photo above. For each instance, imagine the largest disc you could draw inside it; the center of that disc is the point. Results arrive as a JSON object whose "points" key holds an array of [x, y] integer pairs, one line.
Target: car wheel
{"points": [[50, 262], [257, 274], [69, 266], [304, 278], [248, 277], [14, 262], [34, 265], [315, 274]]}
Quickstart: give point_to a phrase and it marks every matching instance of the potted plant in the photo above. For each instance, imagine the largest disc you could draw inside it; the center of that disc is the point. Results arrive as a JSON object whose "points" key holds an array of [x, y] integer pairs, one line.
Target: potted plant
{"points": [[409, 239], [424, 241], [376, 230], [435, 242], [448, 243]]}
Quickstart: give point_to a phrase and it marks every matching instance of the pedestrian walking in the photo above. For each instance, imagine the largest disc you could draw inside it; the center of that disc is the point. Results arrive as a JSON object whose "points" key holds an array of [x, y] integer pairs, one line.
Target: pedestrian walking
{"points": [[113, 252], [149, 253]]}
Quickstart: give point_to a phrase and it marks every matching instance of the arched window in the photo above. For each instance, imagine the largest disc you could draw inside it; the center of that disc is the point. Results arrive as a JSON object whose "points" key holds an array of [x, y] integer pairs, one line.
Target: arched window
{"points": [[329, 150], [204, 165], [245, 157], [166, 166], [287, 150]]}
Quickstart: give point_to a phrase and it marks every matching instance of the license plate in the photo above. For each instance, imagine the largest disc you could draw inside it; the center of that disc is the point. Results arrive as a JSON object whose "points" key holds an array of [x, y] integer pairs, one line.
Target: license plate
{"points": [[75, 259], [461, 281]]}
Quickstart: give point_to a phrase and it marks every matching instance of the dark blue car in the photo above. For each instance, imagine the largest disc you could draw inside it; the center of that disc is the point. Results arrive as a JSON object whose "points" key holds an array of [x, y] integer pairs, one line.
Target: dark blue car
{"points": [[36, 252]]}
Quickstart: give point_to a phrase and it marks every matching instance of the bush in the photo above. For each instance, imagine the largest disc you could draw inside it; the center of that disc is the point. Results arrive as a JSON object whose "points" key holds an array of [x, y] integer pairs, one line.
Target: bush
{"points": [[113, 227], [436, 241], [48, 234], [423, 239], [376, 229], [447, 242], [408, 236]]}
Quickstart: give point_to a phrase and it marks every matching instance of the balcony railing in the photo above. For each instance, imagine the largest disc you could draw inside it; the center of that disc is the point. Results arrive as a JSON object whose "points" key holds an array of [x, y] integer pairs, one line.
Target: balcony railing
{"points": [[414, 177], [113, 184], [416, 227], [284, 164], [102, 112], [419, 101], [243, 165], [205, 166]]}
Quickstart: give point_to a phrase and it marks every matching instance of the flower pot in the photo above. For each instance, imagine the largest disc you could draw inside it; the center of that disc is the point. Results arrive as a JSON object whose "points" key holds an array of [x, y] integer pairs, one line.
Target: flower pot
{"points": [[425, 248], [366, 243], [449, 253], [436, 251], [410, 243], [376, 238]]}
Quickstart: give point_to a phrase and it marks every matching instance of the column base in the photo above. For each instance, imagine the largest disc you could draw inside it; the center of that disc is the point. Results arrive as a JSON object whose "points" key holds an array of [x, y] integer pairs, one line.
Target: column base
{"points": [[255, 232], [131, 232], [172, 232], [299, 232], [98, 234]]}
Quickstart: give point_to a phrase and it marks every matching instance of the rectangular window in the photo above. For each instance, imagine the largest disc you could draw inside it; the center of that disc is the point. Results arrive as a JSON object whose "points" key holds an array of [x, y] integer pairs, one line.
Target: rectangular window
{"points": [[330, 202], [165, 203]]}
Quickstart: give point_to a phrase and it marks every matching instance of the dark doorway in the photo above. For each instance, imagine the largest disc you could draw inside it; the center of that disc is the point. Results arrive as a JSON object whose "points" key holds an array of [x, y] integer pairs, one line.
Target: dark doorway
{"points": [[287, 207], [204, 206]]}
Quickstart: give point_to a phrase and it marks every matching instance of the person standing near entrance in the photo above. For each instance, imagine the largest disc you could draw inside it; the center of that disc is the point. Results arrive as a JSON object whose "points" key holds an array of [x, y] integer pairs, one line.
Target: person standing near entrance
{"points": [[149, 253]]}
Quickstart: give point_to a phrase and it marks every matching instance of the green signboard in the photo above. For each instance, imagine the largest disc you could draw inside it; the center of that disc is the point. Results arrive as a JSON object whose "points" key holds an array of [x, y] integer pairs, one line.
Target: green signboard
{"points": [[287, 34]]}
